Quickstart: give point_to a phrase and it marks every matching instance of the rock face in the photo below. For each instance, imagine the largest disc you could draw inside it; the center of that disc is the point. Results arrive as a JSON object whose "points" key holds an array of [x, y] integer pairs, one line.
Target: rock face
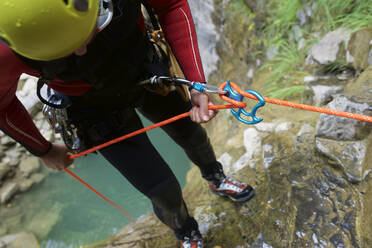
{"points": [[311, 172]]}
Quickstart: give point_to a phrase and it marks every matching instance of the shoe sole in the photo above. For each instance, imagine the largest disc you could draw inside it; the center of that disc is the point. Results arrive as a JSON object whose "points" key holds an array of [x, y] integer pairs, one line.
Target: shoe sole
{"points": [[243, 199]]}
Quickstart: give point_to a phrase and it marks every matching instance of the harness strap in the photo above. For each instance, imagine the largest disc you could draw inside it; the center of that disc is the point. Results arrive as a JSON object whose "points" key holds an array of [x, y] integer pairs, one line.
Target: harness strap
{"points": [[56, 100]]}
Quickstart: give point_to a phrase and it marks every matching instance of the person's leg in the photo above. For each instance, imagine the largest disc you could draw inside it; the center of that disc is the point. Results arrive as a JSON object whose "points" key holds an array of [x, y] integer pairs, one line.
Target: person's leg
{"points": [[138, 161], [194, 140], [189, 135]]}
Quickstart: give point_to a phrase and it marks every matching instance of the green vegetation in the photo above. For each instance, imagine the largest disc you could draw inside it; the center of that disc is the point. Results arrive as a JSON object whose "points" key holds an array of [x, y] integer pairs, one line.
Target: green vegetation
{"points": [[353, 14], [282, 30]]}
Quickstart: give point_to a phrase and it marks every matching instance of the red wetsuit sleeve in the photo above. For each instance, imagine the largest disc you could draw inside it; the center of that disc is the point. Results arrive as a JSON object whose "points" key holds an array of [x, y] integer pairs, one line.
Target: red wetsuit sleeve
{"points": [[14, 118], [178, 26]]}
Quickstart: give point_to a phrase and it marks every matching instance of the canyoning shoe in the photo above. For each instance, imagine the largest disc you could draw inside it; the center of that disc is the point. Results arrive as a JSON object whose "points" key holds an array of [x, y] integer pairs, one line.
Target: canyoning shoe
{"points": [[237, 191], [192, 240]]}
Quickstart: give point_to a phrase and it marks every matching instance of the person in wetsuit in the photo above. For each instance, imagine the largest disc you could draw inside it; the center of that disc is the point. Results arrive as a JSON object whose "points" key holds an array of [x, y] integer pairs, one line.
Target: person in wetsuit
{"points": [[95, 52]]}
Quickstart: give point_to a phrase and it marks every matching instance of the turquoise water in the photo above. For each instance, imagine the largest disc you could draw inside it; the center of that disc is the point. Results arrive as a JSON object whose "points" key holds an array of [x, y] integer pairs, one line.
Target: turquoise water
{"points": [[85, 218]]}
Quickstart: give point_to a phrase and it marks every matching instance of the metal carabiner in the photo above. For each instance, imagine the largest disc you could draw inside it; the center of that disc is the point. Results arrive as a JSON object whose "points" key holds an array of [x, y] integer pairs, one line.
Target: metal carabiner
{"points": [[232, 94], [206, 88]]}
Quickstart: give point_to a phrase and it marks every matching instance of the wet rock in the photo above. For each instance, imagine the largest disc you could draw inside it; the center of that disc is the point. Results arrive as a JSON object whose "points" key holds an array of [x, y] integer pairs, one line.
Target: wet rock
{"points": [[327, 49], [13, 153], [6, 141], [265, 127], [37, 177], [360, 90], [11, 162], [282, 127], [310, 79], [7, 191], [20, 240], [25, 184], [27, 95], [204, 219], [323, 93], [348, 155], [14, 221], [42, 223], [314, 79], [268, 155], [29, 166], [226, 160], [242, 162], [337, 241], [306, 135], [360, 48], [4, 169], [1, 152], [252, 144], [339, 128]]}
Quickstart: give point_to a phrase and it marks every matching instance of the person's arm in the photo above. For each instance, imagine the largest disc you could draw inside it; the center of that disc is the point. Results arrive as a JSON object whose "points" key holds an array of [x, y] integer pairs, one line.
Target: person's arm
{"points": [[178, 26], [16, 122], [14, 119]]}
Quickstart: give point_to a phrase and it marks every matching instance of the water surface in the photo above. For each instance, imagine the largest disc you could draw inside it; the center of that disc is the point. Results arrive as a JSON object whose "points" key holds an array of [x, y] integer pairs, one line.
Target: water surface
{"points": [[83, 217]]}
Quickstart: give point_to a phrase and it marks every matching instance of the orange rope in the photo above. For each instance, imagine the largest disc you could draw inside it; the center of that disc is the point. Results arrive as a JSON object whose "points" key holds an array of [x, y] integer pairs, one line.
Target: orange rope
{"points": [[99, 194], [126, 137], [162, 123], [234, 104], [294, 105]]}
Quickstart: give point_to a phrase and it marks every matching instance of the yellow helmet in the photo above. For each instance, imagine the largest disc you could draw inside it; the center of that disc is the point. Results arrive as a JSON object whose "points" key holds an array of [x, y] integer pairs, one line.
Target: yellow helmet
{"points": [[46, 29]]}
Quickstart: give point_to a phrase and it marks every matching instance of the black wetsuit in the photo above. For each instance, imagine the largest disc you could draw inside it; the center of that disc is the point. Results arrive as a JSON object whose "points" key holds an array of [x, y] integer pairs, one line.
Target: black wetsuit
{"points": [[108, 111]]}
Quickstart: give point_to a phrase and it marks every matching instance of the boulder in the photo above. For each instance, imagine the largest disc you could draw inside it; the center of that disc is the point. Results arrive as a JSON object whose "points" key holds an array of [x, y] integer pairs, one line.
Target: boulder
{"points": [[20, 240], [1, 151], [360, 48], [27, 95], [29, 166], [349, 155], [7, 191], [13, 153], [37, 177], [326, 51], [25, 184], [42, 223], [6, 141], [323, 93], [4, 169], [341, 128]]}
